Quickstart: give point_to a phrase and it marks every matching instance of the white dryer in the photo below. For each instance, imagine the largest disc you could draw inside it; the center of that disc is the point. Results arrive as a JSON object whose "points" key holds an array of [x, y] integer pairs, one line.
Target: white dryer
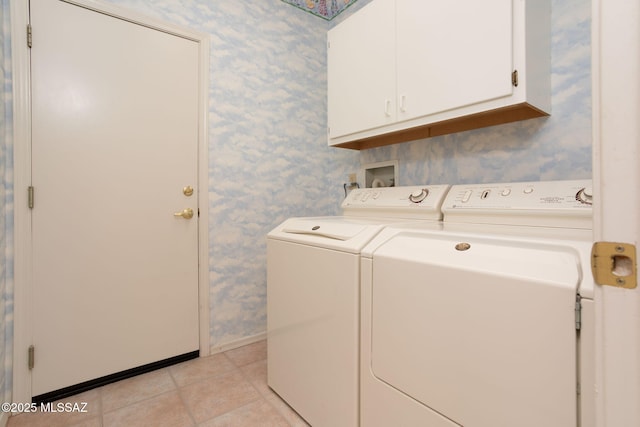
{"points": [[313, 298], [487, 322]]}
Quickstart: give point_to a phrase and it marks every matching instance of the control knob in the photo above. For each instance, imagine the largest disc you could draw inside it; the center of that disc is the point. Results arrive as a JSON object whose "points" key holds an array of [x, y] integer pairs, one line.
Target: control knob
{"points": [[585, 196], [419, 195]]}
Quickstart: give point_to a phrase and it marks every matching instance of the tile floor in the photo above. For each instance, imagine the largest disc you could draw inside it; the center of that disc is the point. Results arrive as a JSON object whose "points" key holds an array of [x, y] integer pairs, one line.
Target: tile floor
{"points": [[225, 389]]}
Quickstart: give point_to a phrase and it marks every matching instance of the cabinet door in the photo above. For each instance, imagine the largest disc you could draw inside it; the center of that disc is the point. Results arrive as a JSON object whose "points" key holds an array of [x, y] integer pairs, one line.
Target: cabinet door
{"points": [[361, 70], [452, 54]]}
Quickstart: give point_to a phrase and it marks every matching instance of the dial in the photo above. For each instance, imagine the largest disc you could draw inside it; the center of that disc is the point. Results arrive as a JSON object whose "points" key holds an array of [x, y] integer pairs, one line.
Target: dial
{"points": [[419, 195], [585, 196]]}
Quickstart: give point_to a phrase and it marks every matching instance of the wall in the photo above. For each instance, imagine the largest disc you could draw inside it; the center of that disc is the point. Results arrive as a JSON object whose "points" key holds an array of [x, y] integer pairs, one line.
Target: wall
{"points": [[6, 211], [268, 154], [557, 147]]}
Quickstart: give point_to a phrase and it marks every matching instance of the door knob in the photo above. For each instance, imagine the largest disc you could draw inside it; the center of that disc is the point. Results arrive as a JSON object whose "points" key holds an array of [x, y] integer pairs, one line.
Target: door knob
{"points": [[186, 213]]}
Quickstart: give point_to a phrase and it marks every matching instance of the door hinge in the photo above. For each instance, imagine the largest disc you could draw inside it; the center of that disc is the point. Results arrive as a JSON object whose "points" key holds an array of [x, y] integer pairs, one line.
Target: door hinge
{"points": [[614, 264], [514, 78], [578, 310], [32, 356], [30, 196], [29, 36]]}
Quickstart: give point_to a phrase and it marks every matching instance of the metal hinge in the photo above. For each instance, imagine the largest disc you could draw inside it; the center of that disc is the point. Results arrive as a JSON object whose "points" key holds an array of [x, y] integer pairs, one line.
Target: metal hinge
{"points": [[578, 310], [30, 196], [29, 36], [514, 78], [32, 356], [614, 264]]}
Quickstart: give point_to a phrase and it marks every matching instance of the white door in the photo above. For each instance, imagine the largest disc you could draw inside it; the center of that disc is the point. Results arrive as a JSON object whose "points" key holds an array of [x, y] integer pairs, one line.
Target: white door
{"points": [[115, 141]]}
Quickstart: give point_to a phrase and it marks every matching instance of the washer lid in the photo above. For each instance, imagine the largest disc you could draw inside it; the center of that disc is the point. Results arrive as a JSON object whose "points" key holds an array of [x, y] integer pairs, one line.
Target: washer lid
{"points": [[338, 230], [347, 234]]}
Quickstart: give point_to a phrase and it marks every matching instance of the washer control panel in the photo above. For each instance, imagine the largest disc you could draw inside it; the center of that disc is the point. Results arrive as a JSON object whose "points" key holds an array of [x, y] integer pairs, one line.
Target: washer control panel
{"points": [[403, 202], [526, 203]]}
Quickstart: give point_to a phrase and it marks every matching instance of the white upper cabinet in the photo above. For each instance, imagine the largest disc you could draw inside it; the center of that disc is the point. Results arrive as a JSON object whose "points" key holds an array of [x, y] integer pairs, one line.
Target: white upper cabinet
{"points": [[400, 70], [362, 70], [469, 56]]}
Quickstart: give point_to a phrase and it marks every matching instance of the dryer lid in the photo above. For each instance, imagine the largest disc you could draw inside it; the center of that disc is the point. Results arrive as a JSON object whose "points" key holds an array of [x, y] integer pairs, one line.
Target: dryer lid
{"points": [[478, 328]]}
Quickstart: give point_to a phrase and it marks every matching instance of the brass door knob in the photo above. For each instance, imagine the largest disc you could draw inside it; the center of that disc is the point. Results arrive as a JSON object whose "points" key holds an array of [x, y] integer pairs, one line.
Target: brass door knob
{"points": [[186, 213]]}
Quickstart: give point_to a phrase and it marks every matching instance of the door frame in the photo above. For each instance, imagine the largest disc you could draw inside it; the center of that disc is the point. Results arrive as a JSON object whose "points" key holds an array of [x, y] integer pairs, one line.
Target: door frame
{"points": [[616, 180], [23, 289]]}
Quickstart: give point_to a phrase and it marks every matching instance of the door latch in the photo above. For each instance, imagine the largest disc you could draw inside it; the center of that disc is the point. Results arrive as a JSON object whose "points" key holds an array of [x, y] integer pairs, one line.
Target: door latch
{"points": [[614, 264]]}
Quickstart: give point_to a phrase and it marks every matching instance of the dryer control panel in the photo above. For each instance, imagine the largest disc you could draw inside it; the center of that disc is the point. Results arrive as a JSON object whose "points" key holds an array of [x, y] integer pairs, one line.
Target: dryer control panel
{"points": [[543, 203], [408, 202]]}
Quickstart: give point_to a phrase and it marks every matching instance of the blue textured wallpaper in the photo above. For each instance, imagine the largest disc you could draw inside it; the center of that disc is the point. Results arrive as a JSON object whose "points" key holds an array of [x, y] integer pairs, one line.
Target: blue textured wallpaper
{"points": [[268, 154], [6, 208]]}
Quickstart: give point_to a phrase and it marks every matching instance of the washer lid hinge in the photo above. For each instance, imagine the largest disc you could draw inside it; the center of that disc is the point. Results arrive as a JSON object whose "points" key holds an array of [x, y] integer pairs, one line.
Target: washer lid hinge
{"points": [[578, 310]]}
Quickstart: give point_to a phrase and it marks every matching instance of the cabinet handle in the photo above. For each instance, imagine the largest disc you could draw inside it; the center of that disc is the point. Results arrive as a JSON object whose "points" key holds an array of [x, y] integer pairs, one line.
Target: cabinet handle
{"points": [[387, 107], [403, 107]]}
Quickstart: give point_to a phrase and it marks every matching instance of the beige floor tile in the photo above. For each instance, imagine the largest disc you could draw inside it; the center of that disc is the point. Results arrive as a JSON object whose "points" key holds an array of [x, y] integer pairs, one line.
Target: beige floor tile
{"points": [[135, 389], [286, 411], [255, 414], [201, 368], [40, 419], [159, 411], [67, 415], [214, 396], [256, 373], [248, 354], [226, 389], [44, 419], [93, 422]]}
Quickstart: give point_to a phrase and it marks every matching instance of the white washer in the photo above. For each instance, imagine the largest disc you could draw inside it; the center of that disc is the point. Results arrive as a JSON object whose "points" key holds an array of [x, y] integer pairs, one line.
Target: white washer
{"points": [[476, 324], [313, 298]]}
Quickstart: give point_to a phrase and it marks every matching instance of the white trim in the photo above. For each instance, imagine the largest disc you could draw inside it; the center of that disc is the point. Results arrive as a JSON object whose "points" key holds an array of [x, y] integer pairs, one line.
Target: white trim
{"points": [[23, 327], [4, 419], [220, 348], [203, 199], [616, 177]]}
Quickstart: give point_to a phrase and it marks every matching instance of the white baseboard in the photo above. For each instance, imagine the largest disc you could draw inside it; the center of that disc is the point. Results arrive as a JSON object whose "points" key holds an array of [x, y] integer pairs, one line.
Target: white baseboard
{"points": [[238, 343]]}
